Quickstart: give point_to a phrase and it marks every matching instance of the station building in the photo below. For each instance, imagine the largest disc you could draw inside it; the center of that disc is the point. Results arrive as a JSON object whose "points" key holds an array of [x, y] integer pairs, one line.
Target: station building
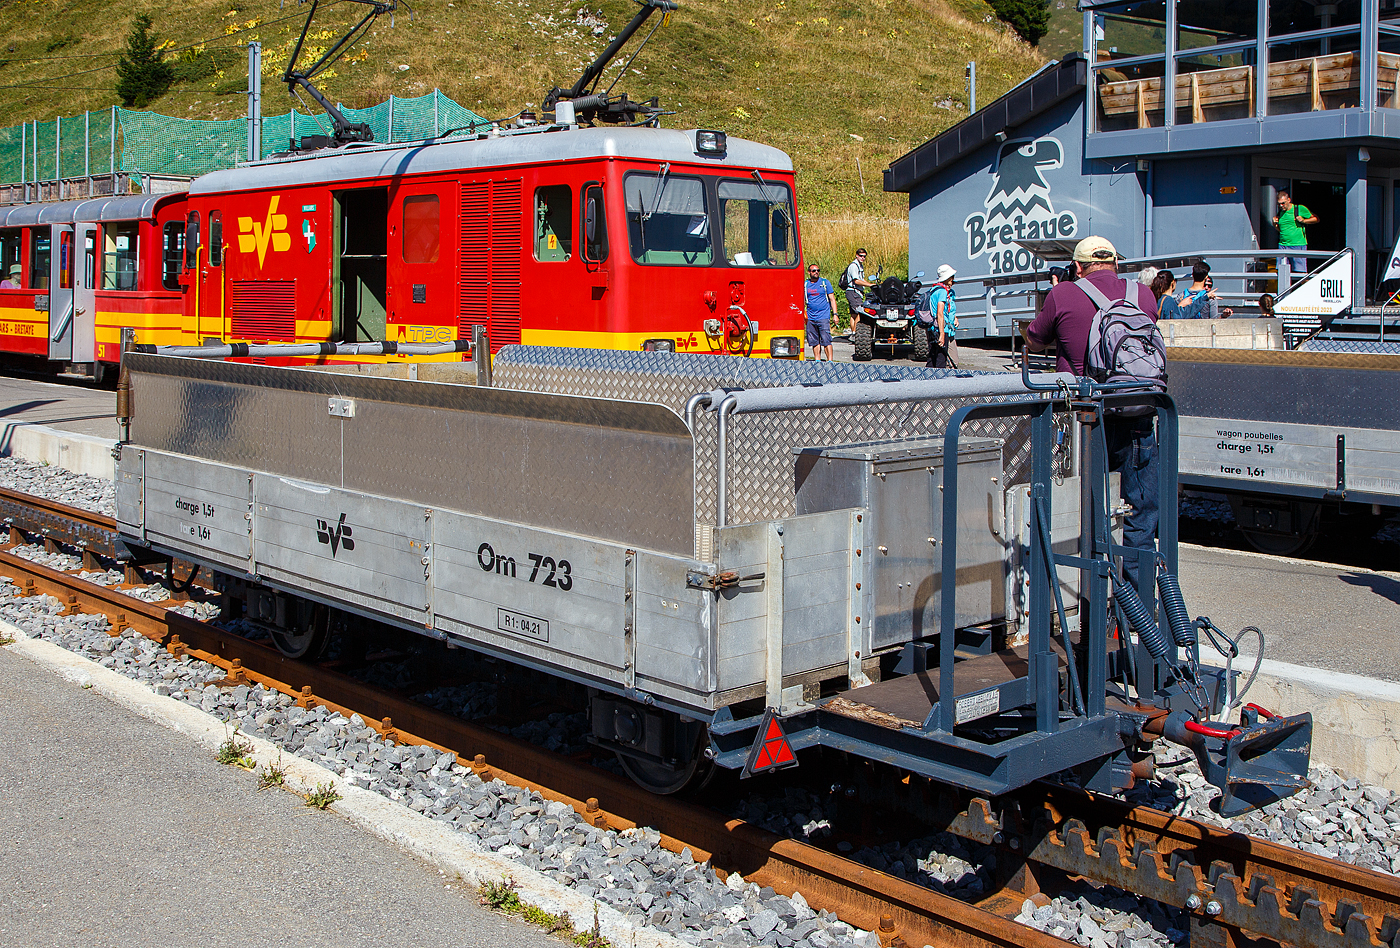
{"points": [[1171, 134]]}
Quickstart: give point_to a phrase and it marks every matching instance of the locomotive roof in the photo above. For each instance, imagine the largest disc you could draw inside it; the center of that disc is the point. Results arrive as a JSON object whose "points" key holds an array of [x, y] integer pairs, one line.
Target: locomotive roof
{"points": [[123, 207], [533, 146]]}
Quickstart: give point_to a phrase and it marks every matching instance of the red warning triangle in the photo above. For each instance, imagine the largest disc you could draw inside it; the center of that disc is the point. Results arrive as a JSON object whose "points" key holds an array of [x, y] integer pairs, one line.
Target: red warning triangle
{"points": [[776, 751]]}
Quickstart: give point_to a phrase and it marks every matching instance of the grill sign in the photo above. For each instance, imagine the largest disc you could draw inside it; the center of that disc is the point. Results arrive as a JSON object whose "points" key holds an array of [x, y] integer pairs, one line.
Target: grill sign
{"points": [[336, 537], [1326, 292]]}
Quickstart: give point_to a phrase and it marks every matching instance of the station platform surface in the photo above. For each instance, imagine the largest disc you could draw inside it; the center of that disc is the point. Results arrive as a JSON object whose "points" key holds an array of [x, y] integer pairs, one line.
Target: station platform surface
{"points": [[122, 832]]}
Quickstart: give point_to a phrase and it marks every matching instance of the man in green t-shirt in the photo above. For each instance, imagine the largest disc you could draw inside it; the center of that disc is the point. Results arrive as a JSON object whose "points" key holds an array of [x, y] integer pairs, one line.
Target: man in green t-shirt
{"points": [[1291, 220]]}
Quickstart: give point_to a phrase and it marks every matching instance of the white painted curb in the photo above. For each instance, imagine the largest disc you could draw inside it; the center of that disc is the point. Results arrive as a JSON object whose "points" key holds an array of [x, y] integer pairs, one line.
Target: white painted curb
{"points": [[79, 453], [434, 843]]}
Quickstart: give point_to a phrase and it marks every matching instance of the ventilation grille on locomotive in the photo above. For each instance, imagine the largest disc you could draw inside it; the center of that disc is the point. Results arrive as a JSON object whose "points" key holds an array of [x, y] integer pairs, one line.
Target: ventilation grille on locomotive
{"points": [[491, 249], [263, 309]]}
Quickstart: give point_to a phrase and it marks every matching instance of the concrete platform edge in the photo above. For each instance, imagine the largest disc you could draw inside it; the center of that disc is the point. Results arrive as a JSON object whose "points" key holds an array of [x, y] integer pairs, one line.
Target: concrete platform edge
{"points": [[1356, 720], [412, 832], [79, 453]]}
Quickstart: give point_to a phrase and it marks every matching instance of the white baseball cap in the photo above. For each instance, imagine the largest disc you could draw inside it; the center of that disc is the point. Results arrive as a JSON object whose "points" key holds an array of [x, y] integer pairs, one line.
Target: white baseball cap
{"points": [[946, 273], [1095, 250]]}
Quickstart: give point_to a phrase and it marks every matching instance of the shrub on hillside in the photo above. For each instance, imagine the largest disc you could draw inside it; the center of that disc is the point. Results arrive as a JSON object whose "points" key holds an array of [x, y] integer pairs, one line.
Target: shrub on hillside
{"points": [[142, 75], [1029, 18]]}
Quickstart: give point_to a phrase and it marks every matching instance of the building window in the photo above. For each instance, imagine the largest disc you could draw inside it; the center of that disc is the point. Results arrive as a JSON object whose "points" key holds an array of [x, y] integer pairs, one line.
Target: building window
{"points": [[422, 228], [119, 256], [554, 222], [172, 254]]}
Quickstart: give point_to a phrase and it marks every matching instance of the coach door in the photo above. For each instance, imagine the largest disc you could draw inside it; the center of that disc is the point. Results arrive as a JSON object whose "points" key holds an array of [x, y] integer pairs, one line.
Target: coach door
{"points": [[211, 273], [61, 293], [84, 336]]}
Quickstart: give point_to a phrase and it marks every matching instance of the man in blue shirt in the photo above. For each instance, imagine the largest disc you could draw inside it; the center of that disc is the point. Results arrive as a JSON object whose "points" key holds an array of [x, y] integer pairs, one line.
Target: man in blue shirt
{"points": [[821, 303]]}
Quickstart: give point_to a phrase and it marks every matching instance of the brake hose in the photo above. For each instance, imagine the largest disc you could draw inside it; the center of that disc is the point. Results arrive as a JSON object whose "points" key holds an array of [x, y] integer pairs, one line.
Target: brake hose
{"points": [[1216, 636]]}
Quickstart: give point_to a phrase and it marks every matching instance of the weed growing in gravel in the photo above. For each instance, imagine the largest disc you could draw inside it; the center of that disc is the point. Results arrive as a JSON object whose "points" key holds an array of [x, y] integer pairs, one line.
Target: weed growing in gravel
{"points": [[236, 750], [272, 775], [502, 897], [6, 640], [323, 796]]}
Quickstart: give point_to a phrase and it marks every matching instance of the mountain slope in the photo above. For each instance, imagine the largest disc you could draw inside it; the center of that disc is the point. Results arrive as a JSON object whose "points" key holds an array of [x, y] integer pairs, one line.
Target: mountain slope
{"points": [[843, 86]]}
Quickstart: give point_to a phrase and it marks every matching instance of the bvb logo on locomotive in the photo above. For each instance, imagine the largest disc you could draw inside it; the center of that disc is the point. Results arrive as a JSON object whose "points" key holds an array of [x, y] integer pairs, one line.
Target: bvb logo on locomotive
{"points": [[256, 236], [1018, 207]]}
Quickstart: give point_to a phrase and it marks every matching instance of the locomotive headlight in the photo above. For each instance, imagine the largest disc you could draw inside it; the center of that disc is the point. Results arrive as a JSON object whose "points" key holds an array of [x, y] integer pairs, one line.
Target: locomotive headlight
{"points": [[710, 142], [785, 347], [659, 345]]}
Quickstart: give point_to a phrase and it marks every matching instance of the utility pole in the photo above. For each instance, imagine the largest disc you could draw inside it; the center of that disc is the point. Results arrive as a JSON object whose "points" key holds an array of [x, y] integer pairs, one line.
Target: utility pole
{"points": [[254, 101], [971, 74]]}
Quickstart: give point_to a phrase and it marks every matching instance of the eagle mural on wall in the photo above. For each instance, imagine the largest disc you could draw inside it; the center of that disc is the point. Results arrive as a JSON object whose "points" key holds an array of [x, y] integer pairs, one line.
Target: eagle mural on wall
{"points": [[1017, 181], [1018, 207]]}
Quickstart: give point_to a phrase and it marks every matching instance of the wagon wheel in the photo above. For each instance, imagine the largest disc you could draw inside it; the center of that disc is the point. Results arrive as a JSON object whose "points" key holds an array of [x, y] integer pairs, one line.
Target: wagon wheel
{"points": [[663, 779], [308, 643]]}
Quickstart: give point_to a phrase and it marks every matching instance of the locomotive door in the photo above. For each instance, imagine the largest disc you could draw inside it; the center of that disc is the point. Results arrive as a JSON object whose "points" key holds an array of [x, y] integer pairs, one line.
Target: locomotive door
{"points": [[359, 264], [211, 274], [84, 335], [61, 292]]}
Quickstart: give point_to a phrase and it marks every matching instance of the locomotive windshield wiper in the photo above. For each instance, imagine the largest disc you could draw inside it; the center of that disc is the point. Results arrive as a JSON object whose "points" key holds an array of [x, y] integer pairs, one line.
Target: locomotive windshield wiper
{"points": [[656, 197], [781, 206], [344, 130]]}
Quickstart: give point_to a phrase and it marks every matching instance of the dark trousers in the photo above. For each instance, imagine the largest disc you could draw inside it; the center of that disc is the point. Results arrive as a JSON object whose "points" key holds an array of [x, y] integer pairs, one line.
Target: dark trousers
{"points": [[937, 355], [1132, 451]]}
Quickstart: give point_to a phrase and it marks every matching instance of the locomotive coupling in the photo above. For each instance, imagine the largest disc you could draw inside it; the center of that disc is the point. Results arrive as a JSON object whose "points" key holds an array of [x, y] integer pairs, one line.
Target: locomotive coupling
{"points": [[1262, 759]]}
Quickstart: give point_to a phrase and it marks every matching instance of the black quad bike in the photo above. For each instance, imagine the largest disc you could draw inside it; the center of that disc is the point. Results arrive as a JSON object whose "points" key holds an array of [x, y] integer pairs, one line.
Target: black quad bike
{"points": [[886, 321]]}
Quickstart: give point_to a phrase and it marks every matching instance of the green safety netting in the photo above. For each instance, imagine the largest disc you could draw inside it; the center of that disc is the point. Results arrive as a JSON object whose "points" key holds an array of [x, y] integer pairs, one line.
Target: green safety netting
{"points": [[149, 143]]}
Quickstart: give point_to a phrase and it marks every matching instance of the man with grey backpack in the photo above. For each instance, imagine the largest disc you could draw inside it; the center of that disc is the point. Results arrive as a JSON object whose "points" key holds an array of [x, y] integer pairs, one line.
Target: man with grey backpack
{"points": [[1105, 328]]}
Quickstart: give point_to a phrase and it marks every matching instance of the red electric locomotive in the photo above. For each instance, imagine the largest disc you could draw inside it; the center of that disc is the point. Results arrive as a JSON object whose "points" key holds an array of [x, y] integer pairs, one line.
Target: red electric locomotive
{"points": [[551, 235]]}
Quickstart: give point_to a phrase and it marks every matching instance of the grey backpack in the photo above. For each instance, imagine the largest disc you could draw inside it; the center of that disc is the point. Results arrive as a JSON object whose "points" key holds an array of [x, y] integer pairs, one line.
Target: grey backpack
{"points": [[1125, 345]]}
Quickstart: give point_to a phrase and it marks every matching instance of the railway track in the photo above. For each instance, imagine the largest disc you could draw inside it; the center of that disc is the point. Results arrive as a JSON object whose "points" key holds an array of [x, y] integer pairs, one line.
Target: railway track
{"points": [[1237, 890]]}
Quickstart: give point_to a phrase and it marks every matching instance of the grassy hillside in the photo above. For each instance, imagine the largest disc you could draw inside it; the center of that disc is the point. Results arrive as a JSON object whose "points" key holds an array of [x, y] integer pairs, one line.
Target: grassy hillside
{"points": [[844, 86]]}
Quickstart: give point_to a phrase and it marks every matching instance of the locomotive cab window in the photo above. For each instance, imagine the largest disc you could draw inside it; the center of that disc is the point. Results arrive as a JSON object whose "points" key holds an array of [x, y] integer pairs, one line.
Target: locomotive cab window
{"points": [[10, 241], [119, 256], [422, 228], [192, 240], [668, 220], [554, 222], [595, 225], [216, 239], [172, 254], [758, 229], [39, 251]]}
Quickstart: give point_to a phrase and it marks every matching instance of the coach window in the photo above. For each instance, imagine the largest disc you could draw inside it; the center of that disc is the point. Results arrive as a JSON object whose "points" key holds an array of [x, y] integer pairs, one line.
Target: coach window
{"points": [[39, 249], [422, 228], [172, 254], [667, 219], [10, 243], [216, 239], [65, 260], [758, 229], [119, 256], [192, 240], [595, 225], [554, 222]]}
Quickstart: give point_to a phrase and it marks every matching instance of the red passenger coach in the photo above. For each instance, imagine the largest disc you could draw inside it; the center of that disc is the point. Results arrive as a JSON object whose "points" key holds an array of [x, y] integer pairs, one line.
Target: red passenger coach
{"points": [[621, 238], [74, 273]]}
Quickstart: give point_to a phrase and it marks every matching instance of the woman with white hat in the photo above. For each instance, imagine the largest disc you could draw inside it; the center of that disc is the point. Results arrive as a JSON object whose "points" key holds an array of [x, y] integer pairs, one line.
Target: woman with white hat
{"points": [[942, 344], [12, 281]]}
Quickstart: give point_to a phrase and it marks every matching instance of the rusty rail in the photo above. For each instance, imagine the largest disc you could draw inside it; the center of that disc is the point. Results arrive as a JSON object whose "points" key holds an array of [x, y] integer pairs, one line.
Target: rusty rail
{"points": [[1237, 889]]}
